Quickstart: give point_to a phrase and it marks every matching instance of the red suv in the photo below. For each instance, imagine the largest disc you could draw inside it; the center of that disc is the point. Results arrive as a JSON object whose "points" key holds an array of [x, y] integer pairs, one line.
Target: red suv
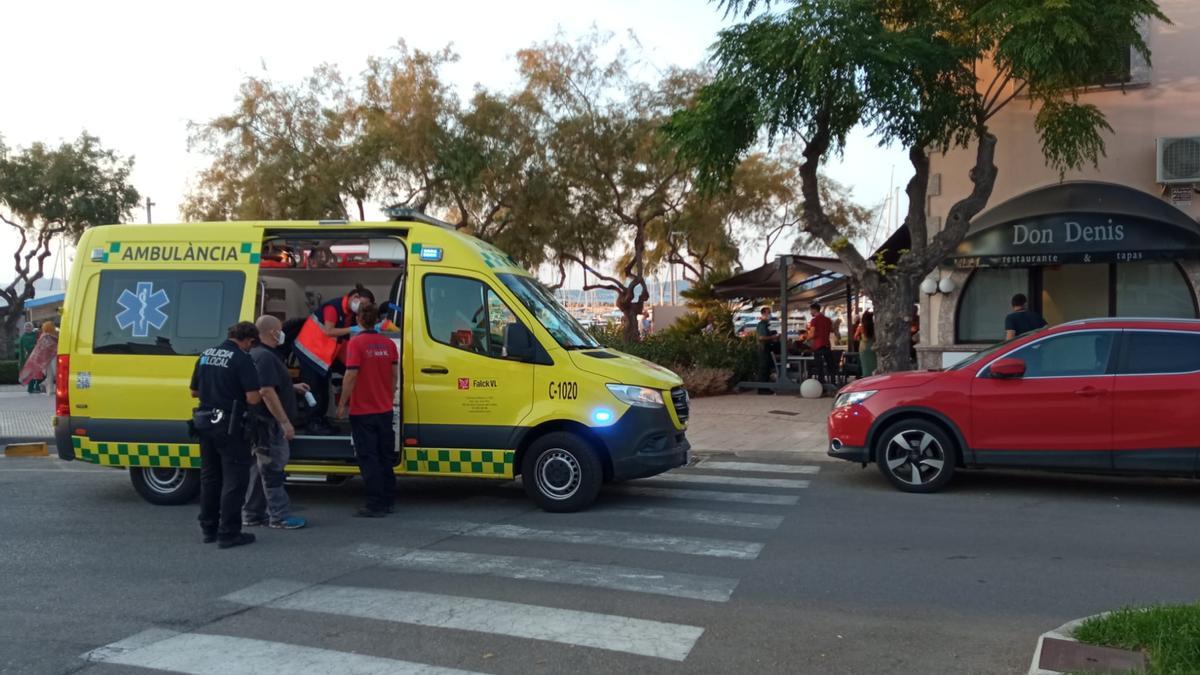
{"points": [[1101, 395]]}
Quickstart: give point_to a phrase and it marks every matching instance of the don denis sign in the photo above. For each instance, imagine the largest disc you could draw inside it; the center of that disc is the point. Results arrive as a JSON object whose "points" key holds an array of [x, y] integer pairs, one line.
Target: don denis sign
{"points": [[1075, 238]]}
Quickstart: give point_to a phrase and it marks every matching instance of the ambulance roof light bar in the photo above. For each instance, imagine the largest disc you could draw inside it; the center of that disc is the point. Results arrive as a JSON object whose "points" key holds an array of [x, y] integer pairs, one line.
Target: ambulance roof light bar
{"points": [[407, 213]]}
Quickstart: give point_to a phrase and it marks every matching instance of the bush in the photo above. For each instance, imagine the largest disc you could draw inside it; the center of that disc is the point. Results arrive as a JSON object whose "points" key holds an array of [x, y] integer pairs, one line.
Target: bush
{"points": [[9, 370], [704, 357]]}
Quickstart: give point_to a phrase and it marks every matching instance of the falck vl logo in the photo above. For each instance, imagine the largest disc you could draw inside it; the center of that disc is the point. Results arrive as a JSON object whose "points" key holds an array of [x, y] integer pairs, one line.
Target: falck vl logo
{"points": [[142, 309], [464, 383]]}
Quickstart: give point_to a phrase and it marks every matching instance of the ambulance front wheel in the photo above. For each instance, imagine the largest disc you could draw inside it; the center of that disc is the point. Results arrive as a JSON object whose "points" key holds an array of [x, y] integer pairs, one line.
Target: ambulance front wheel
{"points": [[561, 472], [166, 486]]}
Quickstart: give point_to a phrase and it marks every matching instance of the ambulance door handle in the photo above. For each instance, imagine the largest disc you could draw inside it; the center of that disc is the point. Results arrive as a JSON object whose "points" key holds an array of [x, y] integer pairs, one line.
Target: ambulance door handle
{"points": [[435, 370]]}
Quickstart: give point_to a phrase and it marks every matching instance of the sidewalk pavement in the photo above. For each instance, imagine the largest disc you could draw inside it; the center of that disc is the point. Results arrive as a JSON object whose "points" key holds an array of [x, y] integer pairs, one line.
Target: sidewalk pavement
{"points": [[749, 423], [738, 423], [24, 416]]}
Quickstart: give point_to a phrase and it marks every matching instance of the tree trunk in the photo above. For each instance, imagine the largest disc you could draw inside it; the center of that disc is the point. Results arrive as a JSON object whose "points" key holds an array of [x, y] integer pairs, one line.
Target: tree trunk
{"points": [[9, 332], [893, 302], [630, 308]]}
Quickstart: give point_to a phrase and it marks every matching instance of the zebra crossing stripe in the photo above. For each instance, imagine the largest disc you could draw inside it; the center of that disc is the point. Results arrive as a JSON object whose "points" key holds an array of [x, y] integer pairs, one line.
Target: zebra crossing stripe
{"points": [[678, 477], [755, 466], [722, 518], [706, 495], [565, 626], [207, 654], [719, 548], [615, 577]]}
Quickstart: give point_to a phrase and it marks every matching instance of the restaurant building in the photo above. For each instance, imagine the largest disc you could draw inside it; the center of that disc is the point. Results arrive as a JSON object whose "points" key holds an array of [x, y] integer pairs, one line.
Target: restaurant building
{"points": [[1121, 239]]}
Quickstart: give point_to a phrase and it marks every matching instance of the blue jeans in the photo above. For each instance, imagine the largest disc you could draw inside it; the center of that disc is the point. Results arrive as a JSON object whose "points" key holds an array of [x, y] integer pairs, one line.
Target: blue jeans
{"points": [[265, 494]]}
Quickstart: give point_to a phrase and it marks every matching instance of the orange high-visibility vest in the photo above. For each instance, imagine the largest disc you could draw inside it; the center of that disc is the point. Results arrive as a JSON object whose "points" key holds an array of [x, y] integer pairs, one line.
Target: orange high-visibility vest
{"points": [[313, 345]]}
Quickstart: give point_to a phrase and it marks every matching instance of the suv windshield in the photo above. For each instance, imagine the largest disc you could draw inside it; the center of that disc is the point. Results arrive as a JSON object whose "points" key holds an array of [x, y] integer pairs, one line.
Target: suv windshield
{"points": [[979, 356], [541, 303]]}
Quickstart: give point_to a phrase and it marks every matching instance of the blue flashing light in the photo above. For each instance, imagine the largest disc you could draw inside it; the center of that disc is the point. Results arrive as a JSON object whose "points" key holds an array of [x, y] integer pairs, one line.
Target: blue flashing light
{"points": [[431, 253], [602, 416]]}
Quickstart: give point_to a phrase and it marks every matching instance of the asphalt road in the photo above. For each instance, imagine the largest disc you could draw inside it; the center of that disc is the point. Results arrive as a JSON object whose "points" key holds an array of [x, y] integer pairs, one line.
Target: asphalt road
{"points": [[828, 571]]}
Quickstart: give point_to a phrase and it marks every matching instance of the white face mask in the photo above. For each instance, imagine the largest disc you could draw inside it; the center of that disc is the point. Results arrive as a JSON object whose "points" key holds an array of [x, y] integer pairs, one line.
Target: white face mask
{"points": [[281, 338], [355, 304]]}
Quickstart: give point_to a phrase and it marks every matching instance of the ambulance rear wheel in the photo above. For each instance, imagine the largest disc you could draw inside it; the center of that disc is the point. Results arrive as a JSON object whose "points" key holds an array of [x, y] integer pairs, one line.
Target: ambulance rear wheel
{"points": [[561, 472], [166, 486]]}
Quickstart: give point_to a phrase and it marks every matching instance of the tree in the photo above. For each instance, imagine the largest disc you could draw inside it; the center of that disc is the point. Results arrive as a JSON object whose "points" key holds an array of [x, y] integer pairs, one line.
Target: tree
{"points": [[923, 74], [285, 152], [607, 152], [51, 192]]}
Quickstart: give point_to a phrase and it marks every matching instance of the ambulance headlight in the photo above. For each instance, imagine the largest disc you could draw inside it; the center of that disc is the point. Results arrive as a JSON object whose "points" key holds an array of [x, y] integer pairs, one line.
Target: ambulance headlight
{"points": [[643, 397]]}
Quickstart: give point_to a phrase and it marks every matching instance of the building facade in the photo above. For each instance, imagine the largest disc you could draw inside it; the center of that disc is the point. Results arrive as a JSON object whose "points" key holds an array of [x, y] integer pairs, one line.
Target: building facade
{"points": [[1121, 239]]}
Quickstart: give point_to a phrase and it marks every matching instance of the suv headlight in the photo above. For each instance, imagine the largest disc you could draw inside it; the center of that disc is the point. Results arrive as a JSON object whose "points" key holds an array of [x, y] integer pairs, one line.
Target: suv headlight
{"points": [[643, 397], [853, 397]]}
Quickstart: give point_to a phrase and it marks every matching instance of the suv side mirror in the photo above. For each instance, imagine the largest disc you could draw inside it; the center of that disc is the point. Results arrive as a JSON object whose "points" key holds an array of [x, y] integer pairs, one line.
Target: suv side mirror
{"points": [[519, 342], [1008, 368]]}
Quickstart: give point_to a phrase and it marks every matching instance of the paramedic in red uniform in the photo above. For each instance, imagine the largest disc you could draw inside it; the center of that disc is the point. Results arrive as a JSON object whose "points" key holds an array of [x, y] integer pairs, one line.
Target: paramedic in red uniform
{"points": [[321, 348], [368, 390]]}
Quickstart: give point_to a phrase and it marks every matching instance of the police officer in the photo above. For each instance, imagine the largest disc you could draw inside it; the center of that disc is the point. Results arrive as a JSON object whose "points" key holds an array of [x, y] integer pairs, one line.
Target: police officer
{"points": [[226, 383]]}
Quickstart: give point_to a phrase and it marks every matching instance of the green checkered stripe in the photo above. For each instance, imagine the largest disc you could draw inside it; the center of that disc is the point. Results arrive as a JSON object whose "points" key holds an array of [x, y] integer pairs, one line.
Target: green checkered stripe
{"points": [[490, 463], [137, 454]]}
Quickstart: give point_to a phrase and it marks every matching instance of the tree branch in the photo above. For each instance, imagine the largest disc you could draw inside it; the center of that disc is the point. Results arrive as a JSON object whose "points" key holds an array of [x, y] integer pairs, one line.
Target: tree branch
{"points": [[983, 177], [989, 113], [916, 220]]}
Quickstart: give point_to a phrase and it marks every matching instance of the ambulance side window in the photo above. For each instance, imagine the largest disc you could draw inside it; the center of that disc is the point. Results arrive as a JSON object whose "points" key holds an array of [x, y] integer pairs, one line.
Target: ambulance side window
{"points": [[165, 312], [466, 314]]}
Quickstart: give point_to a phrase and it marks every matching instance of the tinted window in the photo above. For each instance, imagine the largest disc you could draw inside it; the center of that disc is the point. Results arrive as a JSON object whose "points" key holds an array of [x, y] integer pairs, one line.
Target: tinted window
{"points": [[165, 312], [466, 314], [1068, 355], [1147, 352]]}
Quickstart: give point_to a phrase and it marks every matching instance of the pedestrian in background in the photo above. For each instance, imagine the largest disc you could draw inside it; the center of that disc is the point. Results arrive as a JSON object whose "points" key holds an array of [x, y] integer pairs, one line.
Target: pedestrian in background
{"points": [[368, 394], [820, 327], [768, 340], [25, 346], [866, 343], [40, 362], [1021, 319], [267, 501], [226, 383]]}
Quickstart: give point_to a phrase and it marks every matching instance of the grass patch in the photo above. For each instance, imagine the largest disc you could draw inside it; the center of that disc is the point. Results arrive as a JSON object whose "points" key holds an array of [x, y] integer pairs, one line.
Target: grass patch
{"points": [[1169, 634]]}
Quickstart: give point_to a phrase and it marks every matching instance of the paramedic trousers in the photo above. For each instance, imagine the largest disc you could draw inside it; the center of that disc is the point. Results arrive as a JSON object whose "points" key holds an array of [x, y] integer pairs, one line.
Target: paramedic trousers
{"points": [[375, 448], [224, 474], [266, 498]]}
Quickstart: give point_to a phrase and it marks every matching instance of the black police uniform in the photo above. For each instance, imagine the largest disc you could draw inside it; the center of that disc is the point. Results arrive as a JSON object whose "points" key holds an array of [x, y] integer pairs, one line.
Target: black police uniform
{"points": [[222, 376]]}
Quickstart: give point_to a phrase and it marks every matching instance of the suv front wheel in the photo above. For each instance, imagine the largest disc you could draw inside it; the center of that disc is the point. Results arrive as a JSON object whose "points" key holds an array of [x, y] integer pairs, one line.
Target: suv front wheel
{"points": [[915, 455]]}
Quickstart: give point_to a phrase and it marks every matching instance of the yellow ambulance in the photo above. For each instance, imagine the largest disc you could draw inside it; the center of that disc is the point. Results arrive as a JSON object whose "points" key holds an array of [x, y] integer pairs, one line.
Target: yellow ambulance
{"points": [[496, 378]]}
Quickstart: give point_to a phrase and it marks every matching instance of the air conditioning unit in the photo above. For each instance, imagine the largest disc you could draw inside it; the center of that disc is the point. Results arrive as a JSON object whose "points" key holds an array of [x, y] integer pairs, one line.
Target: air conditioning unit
{"points": [[1179, 160]]}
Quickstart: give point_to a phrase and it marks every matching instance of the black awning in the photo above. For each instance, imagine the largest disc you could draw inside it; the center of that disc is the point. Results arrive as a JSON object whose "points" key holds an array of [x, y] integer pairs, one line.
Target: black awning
{"points": [[1078, 222], [765, 281]]}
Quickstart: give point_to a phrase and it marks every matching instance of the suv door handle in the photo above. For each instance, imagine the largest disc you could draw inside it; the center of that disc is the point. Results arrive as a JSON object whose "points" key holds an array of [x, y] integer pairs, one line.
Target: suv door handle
{"points": [[435, 370], [1089, 391]]}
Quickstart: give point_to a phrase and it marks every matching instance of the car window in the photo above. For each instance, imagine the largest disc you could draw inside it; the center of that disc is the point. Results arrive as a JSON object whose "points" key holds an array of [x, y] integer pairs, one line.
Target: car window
{"points": [[1148, 352], [165, 312], [1068, 355], [467, 314]]}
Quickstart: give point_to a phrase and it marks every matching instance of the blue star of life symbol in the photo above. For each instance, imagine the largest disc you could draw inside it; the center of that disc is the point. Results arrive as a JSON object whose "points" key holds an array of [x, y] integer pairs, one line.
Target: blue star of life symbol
{"points": [[142, 309]]}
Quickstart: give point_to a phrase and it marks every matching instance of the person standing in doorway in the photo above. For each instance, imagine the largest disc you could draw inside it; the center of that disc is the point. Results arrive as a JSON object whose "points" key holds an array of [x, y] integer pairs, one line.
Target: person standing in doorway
{"points": [[226, 382], [866, 343], [820, 328], [368, 393], [321, 347], [267, 501], [1021, 319], [768, 340]]}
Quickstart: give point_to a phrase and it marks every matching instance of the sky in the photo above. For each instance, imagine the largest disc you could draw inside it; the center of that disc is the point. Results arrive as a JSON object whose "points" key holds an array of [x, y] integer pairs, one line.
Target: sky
{"points": [[135, 73]]}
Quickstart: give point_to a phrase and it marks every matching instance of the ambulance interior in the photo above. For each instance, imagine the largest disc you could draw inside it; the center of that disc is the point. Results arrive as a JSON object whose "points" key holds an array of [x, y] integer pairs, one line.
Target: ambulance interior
{"points": [[300, 272]]}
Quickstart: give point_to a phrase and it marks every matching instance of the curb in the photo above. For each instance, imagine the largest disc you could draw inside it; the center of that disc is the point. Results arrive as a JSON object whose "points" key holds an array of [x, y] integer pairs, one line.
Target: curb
{"points": [[1063, 632], [1105, 659]]}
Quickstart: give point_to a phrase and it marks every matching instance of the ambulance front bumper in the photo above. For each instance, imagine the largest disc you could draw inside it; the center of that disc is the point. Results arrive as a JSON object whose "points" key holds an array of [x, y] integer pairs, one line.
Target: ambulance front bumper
{"points": [[644, 442]]}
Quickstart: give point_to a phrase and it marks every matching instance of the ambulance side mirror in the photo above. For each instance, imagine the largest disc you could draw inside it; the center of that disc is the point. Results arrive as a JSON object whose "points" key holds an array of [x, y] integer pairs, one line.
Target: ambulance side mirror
{"points": [[519, 343]]}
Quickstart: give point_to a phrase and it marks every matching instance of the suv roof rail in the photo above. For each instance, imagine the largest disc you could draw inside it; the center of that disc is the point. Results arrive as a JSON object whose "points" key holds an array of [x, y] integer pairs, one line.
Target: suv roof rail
{"points": [[407, 213], [1114, 319]]}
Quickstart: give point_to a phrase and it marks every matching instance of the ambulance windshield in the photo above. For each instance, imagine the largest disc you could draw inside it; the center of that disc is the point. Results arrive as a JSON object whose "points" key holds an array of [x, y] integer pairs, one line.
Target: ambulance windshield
{"points": [[558, 321]]}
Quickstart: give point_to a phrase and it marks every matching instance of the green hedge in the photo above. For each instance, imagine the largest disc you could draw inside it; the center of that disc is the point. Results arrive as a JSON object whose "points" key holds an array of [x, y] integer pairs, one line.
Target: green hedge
{"points": [[9, 370], [681, 351]]}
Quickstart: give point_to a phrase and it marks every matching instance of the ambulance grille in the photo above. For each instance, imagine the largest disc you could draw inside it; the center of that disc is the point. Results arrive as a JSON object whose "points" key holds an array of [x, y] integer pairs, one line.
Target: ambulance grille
{"points": [[679, 397]]}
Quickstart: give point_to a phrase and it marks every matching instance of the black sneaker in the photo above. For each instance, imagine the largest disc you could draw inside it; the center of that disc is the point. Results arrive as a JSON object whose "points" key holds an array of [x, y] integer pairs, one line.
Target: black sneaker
{"points": [[240, 540], [369, 513]]}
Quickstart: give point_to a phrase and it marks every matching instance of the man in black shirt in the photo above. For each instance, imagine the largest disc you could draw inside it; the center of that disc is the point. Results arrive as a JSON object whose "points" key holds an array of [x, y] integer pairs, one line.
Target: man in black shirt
{"points": [[267, 501], [1021, 320], [768, 341], [225, 381]]}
